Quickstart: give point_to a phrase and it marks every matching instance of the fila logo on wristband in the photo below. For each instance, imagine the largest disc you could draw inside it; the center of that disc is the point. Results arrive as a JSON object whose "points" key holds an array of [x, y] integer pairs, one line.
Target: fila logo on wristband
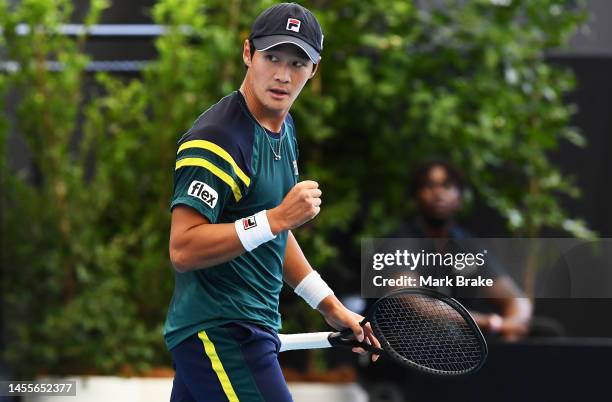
{"points": [[249, 223], [203, 192], [293, 25], [254, 230]]}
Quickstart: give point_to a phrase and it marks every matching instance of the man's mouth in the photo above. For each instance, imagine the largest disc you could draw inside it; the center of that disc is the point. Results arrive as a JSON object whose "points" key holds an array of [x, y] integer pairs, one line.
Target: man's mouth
{"points": [[278, 92]]}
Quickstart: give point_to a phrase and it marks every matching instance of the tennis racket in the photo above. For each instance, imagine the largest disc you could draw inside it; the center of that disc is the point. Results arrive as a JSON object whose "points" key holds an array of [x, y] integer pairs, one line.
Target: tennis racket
{"points": [[418, 328]]}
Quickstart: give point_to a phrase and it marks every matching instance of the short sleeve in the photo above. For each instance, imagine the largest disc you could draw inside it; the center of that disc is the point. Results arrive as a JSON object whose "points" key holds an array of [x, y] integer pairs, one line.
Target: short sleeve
{"points": [[207, 178], [201, 190]]}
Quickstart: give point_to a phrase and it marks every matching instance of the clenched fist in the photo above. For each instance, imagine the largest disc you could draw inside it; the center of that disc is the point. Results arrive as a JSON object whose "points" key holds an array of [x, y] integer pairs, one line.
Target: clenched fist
{"points": [[301, 204]]}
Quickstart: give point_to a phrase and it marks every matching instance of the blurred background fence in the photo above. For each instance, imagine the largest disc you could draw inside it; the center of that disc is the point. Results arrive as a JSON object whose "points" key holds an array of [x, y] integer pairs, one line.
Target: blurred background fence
{"points": [[87, 146]]}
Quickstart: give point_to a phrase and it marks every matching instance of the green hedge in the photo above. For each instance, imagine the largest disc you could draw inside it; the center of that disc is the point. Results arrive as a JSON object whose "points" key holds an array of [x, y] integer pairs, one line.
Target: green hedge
{"points": [[86, 275]]}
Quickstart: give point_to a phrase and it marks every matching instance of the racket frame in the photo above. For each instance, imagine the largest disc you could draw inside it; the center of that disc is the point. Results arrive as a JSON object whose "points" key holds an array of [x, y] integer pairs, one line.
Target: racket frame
{"points": [[465, 314]]}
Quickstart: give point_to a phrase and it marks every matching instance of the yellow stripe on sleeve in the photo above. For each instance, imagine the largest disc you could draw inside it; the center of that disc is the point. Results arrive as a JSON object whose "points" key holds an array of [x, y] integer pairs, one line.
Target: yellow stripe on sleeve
{"points": [[203, 144], [214, 170], [211, 352]]}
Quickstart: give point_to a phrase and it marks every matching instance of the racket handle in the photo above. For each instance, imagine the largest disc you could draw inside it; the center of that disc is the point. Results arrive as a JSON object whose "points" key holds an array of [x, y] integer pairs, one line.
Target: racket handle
{"points": [[313, 340], [347, 338], [343, 338]]}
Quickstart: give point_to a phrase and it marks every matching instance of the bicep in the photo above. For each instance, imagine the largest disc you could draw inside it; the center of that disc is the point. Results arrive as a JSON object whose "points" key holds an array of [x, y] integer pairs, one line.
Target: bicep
{"points": [[183, 219]]}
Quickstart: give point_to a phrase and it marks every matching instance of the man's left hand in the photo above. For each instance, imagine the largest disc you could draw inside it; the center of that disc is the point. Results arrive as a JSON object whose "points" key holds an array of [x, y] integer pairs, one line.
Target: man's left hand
{"points": [[339, 317]]}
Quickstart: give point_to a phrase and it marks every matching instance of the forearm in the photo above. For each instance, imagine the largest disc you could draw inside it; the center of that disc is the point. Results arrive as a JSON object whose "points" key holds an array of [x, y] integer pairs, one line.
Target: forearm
{"points": [[195, 243], [297, 267], [204, 246], [518, 309], [514, 305]]}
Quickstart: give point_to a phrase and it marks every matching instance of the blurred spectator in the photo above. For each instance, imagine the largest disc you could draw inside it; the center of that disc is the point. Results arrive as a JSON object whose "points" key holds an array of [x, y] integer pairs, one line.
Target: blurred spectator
{"points": [[438, 189]]}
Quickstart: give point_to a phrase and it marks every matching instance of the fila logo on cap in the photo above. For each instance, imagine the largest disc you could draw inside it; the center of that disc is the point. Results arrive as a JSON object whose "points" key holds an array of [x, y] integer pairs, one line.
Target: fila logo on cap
{"points": [[204, 192], [249, 223], [293, 24]]}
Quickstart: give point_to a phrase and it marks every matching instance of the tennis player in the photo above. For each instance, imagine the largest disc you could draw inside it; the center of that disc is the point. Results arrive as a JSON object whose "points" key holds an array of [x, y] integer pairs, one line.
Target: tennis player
{"points": [[236, 199]]}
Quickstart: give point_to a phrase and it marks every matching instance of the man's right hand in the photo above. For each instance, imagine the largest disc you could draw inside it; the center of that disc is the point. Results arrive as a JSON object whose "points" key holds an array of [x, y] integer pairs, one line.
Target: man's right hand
{"points": [[301, 204]]}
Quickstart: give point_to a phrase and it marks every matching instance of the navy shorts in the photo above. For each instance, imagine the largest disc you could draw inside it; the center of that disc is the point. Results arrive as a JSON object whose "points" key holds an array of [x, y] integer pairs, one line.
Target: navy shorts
{"points": [[233, 362]]}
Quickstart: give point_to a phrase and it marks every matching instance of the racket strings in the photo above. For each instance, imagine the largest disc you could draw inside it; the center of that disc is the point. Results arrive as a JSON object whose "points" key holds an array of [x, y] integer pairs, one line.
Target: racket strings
{"points": [[428, 333]]}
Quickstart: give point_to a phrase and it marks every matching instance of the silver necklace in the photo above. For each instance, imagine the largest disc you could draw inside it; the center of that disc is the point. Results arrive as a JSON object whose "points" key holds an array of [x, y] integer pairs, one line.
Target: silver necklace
{"points": [[277, 154]]}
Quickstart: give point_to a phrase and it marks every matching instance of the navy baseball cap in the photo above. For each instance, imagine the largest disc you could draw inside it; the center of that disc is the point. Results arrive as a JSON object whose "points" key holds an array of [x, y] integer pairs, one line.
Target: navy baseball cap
{"points": [[288, 23]]}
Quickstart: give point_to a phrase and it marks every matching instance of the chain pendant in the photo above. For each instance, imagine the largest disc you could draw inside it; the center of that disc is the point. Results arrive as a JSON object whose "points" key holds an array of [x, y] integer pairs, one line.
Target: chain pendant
{"points": [[277, 155]]}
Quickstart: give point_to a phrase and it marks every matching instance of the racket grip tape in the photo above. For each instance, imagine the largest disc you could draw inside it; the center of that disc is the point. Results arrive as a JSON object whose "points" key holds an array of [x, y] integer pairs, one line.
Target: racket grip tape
{"points": [[346, 338]]}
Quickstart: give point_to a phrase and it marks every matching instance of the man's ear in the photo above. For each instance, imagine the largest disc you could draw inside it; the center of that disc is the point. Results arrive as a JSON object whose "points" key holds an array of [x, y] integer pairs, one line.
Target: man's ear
{"points": [[315, 68], [246, 53]]}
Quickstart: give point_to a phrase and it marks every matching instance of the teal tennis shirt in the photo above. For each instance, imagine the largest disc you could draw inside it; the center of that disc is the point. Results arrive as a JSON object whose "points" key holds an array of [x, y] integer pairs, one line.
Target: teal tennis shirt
{"points": [[226, 170]]}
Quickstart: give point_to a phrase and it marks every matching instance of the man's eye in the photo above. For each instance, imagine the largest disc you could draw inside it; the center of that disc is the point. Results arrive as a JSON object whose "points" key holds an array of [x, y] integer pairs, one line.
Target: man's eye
{"points": [[272, 58], [299, 64]]}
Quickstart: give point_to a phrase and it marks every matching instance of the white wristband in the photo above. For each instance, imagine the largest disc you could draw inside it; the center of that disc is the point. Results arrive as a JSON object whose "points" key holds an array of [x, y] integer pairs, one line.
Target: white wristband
{"points": [[313, 289], [254, 230]]}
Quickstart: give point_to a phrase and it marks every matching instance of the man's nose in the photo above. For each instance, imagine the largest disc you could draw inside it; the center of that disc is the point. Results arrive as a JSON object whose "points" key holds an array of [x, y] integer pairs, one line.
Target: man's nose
{"points": [[282, 73]]}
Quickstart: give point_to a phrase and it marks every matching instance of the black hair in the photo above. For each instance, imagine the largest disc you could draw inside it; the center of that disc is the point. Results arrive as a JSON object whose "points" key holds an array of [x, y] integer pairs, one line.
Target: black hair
{"points": [[421, 174], [251, 48]]}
